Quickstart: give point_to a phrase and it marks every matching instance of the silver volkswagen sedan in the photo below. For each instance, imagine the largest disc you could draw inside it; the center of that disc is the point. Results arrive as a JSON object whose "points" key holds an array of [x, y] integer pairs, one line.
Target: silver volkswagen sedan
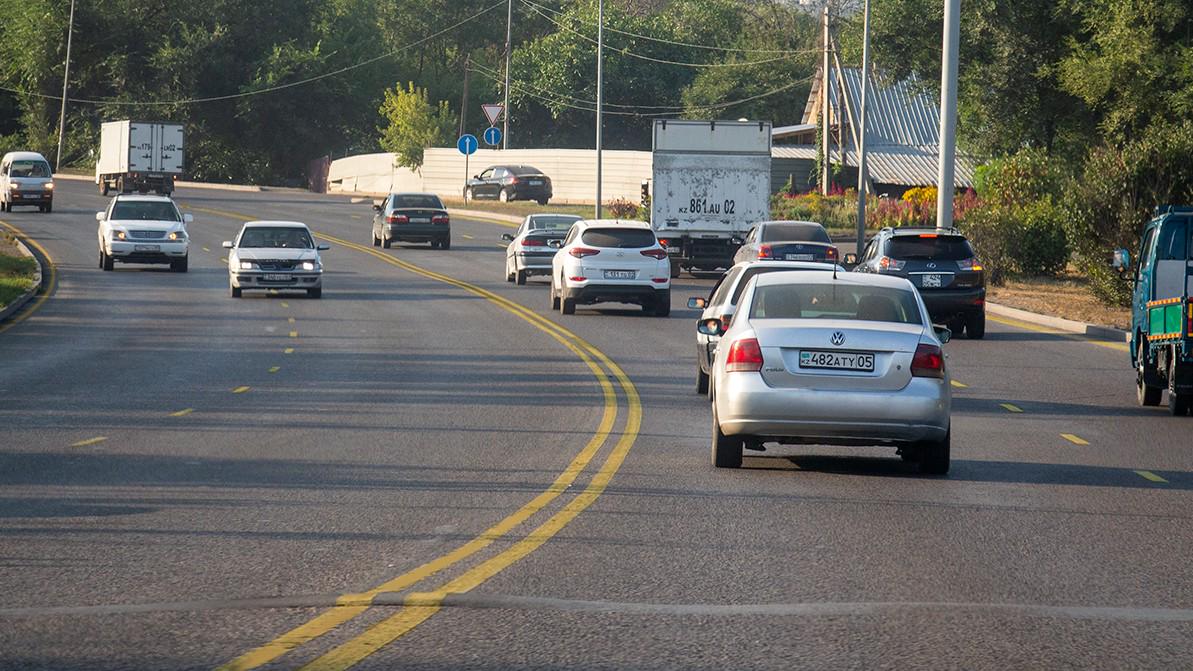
{"points": [[529, 251], [829, 358]]}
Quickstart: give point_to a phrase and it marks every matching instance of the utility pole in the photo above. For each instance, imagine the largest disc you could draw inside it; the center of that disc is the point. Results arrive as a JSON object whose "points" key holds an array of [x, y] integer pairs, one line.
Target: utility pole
{"points": [[599, 98], [948, 114], [70, 30], [825, 132], [464, 101], [863, 177], [505, 123]]}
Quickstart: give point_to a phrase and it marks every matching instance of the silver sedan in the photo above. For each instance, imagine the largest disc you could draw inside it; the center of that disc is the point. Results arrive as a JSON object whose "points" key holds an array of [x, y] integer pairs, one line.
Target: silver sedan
{"points": [[831, 359], [529, 252]]}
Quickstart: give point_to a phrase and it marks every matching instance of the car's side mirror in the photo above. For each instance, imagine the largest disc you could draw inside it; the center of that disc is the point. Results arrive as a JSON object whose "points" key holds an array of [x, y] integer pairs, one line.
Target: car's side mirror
{"points": [[323, 247], [1122, 260], [376, 207], [850, 259], [737, 241], [99, 216], [697, 303], [507, 237], [227, 244], [710, 327], [188, 218], [943, 334], [555, 244]]}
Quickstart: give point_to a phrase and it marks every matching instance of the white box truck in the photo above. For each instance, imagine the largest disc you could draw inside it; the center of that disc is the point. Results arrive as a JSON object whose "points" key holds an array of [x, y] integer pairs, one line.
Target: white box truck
{"points": [[710, 183], [139, 156]]}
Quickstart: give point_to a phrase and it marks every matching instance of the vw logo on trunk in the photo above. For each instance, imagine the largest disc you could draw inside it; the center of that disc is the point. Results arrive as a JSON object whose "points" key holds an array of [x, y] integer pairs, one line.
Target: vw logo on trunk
{"points": [[837, 338]]}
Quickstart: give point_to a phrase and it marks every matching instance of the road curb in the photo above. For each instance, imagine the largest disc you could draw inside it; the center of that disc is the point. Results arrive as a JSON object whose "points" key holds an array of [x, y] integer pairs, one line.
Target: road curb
{"points": [[1082, 328], [24, 298]]}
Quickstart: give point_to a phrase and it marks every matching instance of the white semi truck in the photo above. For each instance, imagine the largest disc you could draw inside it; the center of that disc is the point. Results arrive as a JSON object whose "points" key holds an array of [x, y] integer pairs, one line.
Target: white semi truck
{"points": [[139, 156], [710, 183]]}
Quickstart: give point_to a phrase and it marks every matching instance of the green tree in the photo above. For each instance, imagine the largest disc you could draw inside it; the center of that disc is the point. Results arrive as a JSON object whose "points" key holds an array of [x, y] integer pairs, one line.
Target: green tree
{"points": [[414, 124]]}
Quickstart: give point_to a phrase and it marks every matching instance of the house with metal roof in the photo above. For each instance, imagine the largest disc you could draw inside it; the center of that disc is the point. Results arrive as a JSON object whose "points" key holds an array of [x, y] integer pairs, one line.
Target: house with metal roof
{"points": [[902, 136]]}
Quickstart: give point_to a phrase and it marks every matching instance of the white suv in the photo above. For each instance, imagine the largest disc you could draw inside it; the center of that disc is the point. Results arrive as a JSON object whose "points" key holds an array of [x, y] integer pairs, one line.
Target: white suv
{"points": [[143, 229], [611, 260]]}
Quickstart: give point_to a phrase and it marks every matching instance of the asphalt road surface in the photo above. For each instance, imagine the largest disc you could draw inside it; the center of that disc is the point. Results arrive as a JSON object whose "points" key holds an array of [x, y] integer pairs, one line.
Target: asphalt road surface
{"points": [[429, 469]]}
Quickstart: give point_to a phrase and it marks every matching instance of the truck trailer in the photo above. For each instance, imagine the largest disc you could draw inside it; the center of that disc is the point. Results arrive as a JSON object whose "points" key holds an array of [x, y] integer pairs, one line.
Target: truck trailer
{"points": [[139, 156], [710, 183]]}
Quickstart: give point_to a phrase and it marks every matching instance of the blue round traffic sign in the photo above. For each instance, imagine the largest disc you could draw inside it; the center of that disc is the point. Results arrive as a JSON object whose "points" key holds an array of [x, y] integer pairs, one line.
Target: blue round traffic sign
{"points": [[492, 136], [467, 144]]}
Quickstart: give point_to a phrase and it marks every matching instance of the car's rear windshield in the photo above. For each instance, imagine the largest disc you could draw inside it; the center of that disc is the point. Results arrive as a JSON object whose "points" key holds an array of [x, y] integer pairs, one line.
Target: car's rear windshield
{"points": [[276, 237], [1174, 242], [622, 238], [29, 168], [835, 301], [550, 223], [418, 200], [144, 210], [521, 170], [929, 246], [794, 232], [758, 270]]}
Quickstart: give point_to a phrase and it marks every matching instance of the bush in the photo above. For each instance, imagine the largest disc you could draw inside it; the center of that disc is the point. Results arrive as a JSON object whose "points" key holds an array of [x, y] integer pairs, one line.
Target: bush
{"points": [[921, 196], [1024, 239], [834, 211], [625, 209]]}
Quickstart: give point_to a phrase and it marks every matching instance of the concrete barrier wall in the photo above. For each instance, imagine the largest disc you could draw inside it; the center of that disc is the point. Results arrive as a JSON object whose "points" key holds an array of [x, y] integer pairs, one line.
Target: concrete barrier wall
{"points": [[572, 172]]}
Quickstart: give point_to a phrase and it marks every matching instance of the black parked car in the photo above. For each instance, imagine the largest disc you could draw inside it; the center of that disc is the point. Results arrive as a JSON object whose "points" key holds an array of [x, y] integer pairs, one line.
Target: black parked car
{"points": [[941, 264], [510, 182], [412, 217]]}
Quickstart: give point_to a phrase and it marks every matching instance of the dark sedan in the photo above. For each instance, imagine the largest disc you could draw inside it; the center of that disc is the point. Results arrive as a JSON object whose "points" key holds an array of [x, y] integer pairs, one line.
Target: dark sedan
{"points": [[787, 241], [412, 217], [510, 182]]}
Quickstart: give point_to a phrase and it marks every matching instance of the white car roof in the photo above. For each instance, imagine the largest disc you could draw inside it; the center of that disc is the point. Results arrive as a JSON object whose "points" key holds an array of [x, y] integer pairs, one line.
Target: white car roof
{"points": [[143, 198], [623, 223], [794, 265], [274, 224], [827, 277], [24, 156]]}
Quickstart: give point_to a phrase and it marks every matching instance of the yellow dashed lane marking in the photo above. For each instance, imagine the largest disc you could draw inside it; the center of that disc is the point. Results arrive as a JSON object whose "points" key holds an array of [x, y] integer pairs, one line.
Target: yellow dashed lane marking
{"points": [[89, 441], [294, 334], [274, 369], [288, 350], [182, 413], [1010, 407], [291, 320], [285, 304], [466, 236], [240, 390], [1148, 475], [206, 249], [959, 385], [1076, 440]]}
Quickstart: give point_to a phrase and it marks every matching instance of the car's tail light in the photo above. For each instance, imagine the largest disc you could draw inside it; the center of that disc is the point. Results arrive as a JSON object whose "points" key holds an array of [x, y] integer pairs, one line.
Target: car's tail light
{"points": [[832, 253], [928, 361], [969, 265], [744, 356], [533, 242], [397, 219], [440, 219], [659, 280], [581, 252], [655, 253], [1189, 326], [893, 265], [765, 252], [578, 278], [664, 242]]}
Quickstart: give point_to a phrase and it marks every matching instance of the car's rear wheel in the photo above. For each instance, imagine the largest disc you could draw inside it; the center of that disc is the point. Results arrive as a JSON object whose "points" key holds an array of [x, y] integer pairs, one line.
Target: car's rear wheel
{"points": [[509, 274], [701, 381], [975, 325], [315, 293], [103, 187], [520, 277], [567, 305], [1148, 394], [1179, 404], [445, 243], [726, 450], [543, 202], [662, 304], [934, 455], [674, 269], [554, 298], [180, 265]]}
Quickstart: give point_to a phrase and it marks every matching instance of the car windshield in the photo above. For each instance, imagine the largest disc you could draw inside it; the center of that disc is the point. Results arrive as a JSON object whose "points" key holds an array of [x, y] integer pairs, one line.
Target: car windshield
{"points": [[552, 223], [758, 270], [619, 238], [29, 168], [929, 246], [835, 300], [418, 200], [1174, 243], [794, 232], [144, 210], [262, 236], [521, 170]]}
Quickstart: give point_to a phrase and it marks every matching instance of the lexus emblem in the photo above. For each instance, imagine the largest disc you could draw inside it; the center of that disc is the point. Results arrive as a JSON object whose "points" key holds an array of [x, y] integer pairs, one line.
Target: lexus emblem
{"points": [[931, 265], [838, 338]]}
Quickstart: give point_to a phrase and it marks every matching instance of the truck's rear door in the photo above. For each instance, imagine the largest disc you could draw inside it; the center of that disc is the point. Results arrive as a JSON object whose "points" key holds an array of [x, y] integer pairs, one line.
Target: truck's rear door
{"points": [[141, 148]]}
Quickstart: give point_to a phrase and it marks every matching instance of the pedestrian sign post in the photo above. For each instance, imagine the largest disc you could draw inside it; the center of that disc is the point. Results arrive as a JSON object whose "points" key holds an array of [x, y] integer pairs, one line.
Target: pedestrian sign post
{"points": [[467, 144], [492, 136], [493, 112]]}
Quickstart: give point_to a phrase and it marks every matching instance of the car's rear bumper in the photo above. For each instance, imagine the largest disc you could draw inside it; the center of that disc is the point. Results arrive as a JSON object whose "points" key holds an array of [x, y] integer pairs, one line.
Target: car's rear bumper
{"points": [[31, 197], [416, 232], [746, 405], [948, 303], [141, 252], [253, 279], [532, 192], [614, 293], [535, 263]]}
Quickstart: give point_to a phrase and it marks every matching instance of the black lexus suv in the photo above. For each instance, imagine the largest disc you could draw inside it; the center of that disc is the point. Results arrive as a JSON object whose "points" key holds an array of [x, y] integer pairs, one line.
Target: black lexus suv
{"points": [[942, 265]]}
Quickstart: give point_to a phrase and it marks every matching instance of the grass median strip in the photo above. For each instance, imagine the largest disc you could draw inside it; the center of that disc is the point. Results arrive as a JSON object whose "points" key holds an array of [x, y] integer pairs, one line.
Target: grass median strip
{"points": [[1076, 337], [49, 278]]}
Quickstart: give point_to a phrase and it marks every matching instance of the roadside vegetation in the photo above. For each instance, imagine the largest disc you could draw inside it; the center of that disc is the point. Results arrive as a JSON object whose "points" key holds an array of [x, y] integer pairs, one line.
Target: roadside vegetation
{"points": [[16, 271]]}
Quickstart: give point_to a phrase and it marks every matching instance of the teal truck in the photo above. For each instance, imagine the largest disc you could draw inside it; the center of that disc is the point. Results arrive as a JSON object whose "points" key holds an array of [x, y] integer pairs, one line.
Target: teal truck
{"points": [[1161, 309]]}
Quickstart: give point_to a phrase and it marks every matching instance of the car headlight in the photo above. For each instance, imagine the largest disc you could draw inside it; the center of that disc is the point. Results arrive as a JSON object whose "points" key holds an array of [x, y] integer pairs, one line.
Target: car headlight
{"points": [[177, 235], [309, 265], [49, 186], [119, 235], [246, 265]]}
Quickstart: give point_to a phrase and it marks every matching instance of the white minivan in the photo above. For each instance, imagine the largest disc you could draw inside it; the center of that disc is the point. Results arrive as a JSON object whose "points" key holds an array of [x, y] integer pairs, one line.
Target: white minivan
{"points": [[25, 179]]}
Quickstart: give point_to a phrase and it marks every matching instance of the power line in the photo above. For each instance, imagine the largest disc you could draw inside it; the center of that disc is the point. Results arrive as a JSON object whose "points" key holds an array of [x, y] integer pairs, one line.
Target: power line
{"points": [[493, 73], [790, 52], [271, 89]]}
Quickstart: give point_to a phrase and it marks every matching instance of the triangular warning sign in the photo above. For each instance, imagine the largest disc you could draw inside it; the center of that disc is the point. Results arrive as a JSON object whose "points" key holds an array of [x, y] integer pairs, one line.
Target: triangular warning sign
{"points": [[493, 112]]}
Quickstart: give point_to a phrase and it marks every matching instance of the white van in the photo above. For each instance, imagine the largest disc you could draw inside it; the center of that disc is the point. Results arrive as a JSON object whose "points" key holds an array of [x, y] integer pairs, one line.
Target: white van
{"points": [[25, 179]]}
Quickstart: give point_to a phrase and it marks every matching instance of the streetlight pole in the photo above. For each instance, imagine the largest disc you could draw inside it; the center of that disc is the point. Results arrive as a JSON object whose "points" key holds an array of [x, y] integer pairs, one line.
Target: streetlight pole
{"points": [[505, 123], [70, 29], [863, 178], [599, 98], [948, 114]]}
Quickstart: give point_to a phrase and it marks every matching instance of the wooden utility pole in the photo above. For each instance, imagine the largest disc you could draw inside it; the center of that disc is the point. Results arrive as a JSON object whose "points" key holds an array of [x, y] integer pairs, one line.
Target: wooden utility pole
{"points": [[464, 102], [826, 134]]}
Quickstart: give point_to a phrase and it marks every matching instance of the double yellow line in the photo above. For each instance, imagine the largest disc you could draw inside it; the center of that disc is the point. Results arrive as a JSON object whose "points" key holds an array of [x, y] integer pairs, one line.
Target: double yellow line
{"points": [[418, 607], [50, 281]]}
